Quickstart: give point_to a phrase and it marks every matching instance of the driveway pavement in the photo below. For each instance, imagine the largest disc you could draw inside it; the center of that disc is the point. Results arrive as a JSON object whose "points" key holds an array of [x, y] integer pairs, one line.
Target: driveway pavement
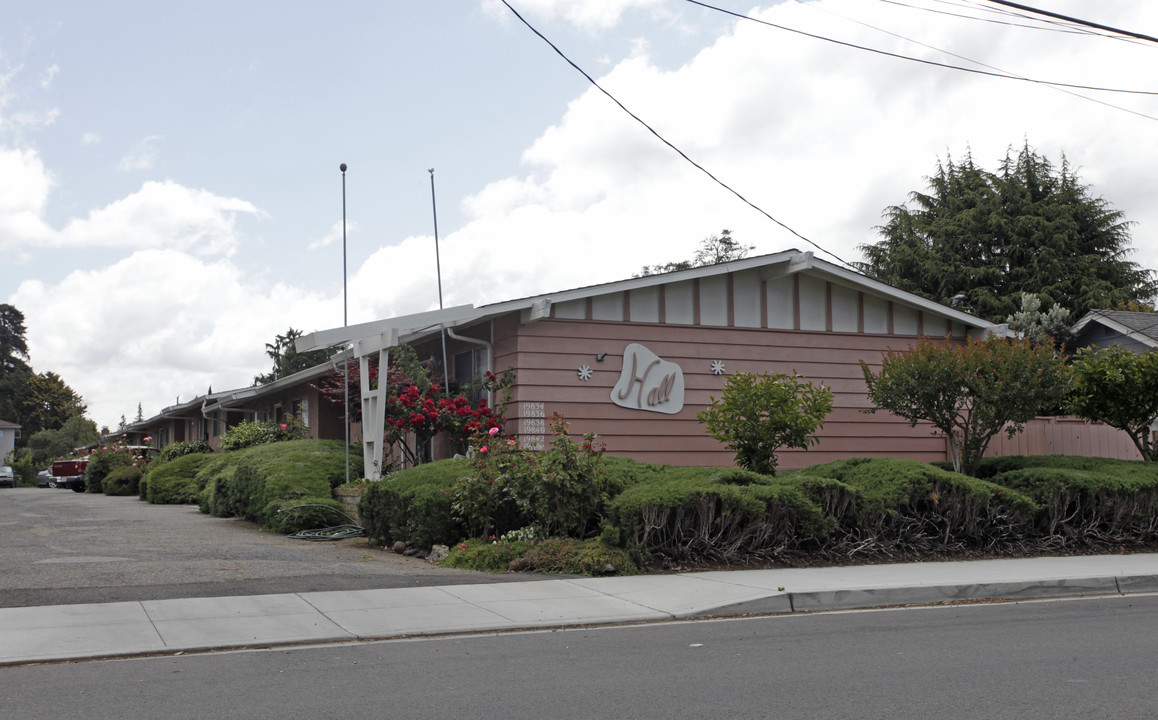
{"points": [[60, 548]]}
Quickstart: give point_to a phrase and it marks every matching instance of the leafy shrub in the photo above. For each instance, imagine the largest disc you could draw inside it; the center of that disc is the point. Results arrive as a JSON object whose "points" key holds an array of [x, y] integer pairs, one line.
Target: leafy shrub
{"points": [[484, 497], [186, 447], [414, 505], [123, 481], [104, 460], [760, 412], [567, 493], [561, 490], [249, 434]]}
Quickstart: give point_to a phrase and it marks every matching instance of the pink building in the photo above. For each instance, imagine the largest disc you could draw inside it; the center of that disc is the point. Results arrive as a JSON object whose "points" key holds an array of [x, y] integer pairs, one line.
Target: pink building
{"points": [[635, 360]]}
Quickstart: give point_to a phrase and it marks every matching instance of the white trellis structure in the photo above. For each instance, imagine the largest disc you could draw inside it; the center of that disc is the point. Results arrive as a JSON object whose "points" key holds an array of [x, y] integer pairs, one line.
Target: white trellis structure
{"points": [[362, 342]]}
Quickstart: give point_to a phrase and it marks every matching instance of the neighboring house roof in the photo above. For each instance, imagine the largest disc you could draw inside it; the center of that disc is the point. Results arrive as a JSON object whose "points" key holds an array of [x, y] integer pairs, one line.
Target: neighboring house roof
{"points": [[9, 425], [1138, 326], [234, 398], [378, 334]]}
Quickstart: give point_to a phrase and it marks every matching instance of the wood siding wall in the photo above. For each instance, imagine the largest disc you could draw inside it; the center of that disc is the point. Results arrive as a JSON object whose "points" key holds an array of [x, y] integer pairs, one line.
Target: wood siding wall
{"points": [[548, 354]]}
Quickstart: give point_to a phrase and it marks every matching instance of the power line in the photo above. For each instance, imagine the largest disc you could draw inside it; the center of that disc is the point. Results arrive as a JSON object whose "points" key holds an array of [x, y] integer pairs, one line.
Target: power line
{"points": [[1034, 24], [1002, 75], [1078, 21], [664, 140], [978, 62]]}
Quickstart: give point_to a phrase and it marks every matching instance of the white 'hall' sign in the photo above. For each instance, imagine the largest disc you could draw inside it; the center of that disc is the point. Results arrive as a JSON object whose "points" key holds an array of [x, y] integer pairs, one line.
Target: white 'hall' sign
{"points": [[648, 382]]}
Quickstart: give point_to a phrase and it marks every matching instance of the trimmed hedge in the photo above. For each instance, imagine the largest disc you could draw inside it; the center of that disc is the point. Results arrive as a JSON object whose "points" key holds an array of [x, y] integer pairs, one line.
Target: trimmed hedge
{"points": [[175, 482], [892, 500], [1085, 501], [714, 515], [260, 483], [124, 482], [175, 450], [414, 505]]}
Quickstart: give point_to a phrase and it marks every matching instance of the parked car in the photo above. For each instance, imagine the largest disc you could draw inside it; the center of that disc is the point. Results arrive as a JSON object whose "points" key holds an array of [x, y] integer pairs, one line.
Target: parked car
{"points": [[70, 474], [7, 477], [45, 479]]}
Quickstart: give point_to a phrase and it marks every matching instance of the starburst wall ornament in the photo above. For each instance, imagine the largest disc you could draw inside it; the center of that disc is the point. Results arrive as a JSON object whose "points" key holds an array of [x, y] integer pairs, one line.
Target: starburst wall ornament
{"points": [[585, 372], [717, 367]]}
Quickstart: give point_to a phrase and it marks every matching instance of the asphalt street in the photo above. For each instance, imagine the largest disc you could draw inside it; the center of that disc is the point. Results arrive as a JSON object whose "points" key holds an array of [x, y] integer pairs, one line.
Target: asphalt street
{"points": [[60, 548], [1091, 658]]}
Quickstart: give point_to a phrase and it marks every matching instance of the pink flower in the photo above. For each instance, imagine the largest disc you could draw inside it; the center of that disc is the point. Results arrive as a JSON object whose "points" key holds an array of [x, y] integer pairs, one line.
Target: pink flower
{"points": [[484, 448], [283, 426], [148, 438], [493, 431]]}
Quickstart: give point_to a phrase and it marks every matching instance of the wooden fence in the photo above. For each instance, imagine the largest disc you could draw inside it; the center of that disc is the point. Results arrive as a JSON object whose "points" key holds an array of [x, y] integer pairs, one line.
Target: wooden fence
{"points": [[1065, 436]]}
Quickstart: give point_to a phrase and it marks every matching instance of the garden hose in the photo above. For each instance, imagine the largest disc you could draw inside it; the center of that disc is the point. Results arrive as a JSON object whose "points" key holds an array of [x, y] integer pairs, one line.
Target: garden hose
{"points": [[334, 532]]}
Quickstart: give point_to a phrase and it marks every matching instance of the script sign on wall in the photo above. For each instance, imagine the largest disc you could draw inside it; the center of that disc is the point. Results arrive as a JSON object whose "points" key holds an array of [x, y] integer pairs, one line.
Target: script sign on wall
{"points": [[648, 382]]}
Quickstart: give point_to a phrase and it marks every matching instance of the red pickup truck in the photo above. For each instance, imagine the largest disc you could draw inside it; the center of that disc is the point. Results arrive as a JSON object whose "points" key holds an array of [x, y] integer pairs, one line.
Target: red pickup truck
{"points": [[70, 474]]}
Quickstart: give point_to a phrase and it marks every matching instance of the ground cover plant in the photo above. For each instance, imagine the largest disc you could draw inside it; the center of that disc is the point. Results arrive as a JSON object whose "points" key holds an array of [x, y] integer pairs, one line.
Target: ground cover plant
{"points": [[887, 506], [1084, 501]]}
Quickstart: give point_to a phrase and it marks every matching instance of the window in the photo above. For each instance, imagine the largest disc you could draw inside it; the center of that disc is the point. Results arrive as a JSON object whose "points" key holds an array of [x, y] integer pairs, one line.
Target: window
{"points": [[300, 408], [469, 366]]}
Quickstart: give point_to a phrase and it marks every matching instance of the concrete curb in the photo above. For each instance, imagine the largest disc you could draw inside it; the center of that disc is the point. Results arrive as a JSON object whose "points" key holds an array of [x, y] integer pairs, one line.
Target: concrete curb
{"points": [[860, 599]]}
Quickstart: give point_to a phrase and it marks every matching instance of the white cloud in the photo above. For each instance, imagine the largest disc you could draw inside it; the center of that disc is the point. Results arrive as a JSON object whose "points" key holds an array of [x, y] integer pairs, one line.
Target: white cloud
{"points": [[142, 156], [25, 185], [48, 75], [588, 15], [333, 235], [158, 324], [162, 215], [90, 138], [821, 137]]}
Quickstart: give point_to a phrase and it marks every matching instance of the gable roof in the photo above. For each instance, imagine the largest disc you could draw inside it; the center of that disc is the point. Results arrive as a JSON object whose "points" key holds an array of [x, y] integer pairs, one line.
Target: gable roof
{"points": [[386, 333], [1139, 326]]}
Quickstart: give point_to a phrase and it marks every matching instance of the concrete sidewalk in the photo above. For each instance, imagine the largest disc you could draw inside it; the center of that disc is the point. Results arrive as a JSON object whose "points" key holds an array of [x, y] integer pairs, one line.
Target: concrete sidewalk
{"points": [[73, 632]]}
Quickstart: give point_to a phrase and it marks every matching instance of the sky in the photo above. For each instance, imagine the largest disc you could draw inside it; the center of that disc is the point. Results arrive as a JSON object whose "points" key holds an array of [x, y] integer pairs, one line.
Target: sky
{"points": [[171, 199]]}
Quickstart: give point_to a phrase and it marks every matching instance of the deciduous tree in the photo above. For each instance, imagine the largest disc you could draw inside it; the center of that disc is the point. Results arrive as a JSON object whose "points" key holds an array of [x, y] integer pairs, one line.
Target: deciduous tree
{"points": [[714, 249], [1120, 388], [971, 392]]}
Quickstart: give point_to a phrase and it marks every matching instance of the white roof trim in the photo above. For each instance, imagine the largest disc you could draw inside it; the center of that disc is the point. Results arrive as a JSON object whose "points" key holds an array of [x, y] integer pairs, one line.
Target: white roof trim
{"points": [[374, 334], [403, 324]]}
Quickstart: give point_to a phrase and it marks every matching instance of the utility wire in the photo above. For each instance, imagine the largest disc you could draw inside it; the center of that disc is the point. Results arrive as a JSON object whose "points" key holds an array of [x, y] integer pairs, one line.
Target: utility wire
{"points": [[1050, 27], [978, 62], [1078, 21], [1004, 76], [662, 139]]}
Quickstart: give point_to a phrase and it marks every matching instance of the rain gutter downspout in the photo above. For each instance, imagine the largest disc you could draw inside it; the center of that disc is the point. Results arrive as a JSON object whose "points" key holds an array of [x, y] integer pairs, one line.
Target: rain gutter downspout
{"points": [[490, 357]]}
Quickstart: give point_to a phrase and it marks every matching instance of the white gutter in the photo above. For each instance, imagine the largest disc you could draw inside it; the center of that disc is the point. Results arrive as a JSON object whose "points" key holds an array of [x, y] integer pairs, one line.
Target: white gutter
{"points": [[490, 358]]}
